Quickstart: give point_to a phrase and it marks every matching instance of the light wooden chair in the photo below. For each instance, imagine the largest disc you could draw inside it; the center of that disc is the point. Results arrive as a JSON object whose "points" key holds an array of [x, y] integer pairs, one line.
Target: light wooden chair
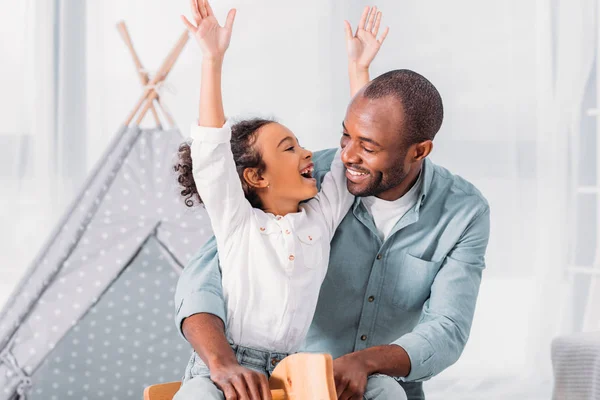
{"points": [[301, 376]]}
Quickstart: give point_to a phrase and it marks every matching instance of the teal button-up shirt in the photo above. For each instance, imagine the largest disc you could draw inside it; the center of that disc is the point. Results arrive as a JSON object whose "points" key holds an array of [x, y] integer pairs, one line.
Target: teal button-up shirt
{"points": [[416, 289]]}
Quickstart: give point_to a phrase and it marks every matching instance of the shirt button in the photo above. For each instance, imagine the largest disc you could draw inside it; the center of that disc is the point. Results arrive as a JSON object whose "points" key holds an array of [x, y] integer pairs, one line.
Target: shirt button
{"points": [[278, 217], [262, 229], [291, 257], [371, 299], [363, 337], [287, 231], [274, 361], [379, 256]]}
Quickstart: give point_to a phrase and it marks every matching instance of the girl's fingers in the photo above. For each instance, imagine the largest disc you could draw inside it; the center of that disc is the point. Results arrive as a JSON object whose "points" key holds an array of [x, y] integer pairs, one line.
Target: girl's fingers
{"points": [[190, 27], [371, 19], [209, 8], [363, 19], [383, 35], [195, 11], [348, 29], [377, 22], [230, 19], [203, 10]]}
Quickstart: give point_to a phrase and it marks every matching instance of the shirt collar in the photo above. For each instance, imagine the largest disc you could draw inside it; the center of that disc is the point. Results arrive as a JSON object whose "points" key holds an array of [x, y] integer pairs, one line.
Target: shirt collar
{"points": [[427, 173]]}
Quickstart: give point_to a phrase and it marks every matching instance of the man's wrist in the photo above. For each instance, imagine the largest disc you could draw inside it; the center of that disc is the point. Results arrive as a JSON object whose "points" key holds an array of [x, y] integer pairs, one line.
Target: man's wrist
{"points": [[390, 360], [367, 358], [221, 362]]}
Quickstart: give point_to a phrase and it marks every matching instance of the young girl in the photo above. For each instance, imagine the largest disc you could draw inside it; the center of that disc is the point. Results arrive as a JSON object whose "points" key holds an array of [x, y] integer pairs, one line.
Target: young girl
{"points": [[253, 177]]}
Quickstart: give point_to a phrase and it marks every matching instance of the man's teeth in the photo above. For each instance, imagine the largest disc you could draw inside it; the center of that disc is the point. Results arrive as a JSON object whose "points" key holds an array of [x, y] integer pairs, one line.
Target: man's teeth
{"points": [[306, 170], [355, 173]]}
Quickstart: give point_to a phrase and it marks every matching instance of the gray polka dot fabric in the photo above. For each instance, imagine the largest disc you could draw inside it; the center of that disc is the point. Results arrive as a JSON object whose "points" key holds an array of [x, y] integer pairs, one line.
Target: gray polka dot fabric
{"points": [[126, 341], [102, 286]]}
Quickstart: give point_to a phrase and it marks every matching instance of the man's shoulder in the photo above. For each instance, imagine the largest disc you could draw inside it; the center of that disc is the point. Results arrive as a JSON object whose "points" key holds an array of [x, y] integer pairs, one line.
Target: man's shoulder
{"points": [[323, 159], [457, 188]]}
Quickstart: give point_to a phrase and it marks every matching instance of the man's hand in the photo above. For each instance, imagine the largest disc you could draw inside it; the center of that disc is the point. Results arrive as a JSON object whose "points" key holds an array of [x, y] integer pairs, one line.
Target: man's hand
{"points": [[239, 383], [212, 38], [363, 45], [206, 334], [350, 374]]}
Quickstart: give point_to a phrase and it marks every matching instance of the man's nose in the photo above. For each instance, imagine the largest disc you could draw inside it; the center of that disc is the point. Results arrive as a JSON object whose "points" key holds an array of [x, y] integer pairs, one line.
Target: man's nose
{"points": [[349, 154]]}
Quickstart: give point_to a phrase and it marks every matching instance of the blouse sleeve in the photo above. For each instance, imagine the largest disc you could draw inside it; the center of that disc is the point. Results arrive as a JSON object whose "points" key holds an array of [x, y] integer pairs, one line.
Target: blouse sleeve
{"points": [[334, 199], [217, 180]]}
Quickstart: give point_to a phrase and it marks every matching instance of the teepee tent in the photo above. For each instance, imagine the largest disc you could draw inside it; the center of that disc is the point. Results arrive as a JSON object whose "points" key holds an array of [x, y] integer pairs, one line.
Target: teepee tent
{"points": [[93, 317]]}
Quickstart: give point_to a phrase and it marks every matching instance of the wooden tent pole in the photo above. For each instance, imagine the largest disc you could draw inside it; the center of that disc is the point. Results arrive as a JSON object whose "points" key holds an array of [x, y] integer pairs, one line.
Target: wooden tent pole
{"points": [[169, 64], [160, 75], [122, 28]]}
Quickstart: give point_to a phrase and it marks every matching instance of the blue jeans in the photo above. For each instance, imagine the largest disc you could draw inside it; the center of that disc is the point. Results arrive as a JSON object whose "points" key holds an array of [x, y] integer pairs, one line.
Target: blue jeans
{"points": [[258, 360], [197, 383]]}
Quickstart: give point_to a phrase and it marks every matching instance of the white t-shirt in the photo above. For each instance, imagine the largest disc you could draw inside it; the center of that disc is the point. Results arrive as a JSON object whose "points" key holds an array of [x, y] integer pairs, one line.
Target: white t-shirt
{"points": [[272, 266], [387, 213]]}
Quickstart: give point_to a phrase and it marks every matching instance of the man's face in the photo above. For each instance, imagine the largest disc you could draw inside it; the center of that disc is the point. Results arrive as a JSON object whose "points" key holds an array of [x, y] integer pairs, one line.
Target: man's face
{"points": [[373, 147]]}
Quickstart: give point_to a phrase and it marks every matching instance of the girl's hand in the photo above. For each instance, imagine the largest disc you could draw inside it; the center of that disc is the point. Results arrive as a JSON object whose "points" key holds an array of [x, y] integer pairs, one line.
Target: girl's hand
{"points": [[363, 45], [212, 38]]}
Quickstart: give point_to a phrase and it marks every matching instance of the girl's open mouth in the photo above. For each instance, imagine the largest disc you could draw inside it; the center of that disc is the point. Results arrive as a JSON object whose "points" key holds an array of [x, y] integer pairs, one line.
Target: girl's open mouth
{"points": [[307, 171]]}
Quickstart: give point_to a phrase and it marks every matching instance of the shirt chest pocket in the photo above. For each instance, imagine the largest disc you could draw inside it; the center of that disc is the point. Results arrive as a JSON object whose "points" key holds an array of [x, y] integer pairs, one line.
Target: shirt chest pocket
{"points": [[311, 246], [412, 285]]}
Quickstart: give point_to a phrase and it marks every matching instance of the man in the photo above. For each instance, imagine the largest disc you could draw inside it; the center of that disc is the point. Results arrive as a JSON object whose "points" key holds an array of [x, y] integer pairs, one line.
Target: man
{"points": [[405, 265]]}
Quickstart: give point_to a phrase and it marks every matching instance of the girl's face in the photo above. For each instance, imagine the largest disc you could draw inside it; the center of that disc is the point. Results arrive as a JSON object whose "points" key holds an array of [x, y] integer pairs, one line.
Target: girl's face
{"points": [[289, 166]]}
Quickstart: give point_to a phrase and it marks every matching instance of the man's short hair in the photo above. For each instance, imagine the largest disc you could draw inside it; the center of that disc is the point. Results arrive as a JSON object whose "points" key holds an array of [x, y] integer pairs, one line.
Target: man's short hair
{"points": [[420, 100]]}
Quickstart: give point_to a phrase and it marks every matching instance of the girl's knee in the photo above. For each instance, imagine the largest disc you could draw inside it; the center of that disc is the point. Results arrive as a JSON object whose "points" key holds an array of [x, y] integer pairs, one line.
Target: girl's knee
{"points": [[383, 387]]}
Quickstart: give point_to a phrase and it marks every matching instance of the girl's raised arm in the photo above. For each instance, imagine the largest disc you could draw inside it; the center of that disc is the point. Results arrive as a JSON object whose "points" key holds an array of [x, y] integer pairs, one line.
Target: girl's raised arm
{"points": [[363, 46], [213, 166], [214, 41]]}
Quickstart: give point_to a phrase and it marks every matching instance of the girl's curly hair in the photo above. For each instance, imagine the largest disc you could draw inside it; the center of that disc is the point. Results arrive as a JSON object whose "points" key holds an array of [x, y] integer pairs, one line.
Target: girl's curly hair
{"points": [[245, 155]]}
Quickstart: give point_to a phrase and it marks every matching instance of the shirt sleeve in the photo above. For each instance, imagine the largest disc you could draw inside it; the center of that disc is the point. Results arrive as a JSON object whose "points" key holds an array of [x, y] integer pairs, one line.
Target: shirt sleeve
{"points": [[199, 288], [443, 329], [217, 180], [334, 199]]}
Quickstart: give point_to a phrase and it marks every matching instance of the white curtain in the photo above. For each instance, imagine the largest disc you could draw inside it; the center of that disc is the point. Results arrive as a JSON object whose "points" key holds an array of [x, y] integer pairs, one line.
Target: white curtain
{"points": [[562, 89], [43, 124], [514, 76]]}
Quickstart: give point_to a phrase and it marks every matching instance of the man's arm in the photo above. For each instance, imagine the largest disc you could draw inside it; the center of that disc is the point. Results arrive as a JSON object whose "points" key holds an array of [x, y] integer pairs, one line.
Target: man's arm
{"points": [[199, 289], [322, 160], [442, 332], [206, 334], [201, 312]]}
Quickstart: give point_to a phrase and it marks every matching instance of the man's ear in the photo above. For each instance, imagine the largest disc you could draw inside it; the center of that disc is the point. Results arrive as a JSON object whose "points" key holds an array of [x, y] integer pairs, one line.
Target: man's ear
{"points": [[254, 179], [422, 150]]}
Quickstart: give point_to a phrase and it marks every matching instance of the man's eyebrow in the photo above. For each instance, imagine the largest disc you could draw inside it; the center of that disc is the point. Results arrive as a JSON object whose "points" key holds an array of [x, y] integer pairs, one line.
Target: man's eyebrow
{"points": [[362, 138], [283, 140]]}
